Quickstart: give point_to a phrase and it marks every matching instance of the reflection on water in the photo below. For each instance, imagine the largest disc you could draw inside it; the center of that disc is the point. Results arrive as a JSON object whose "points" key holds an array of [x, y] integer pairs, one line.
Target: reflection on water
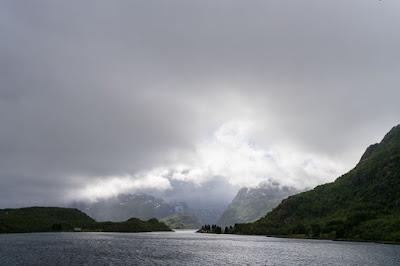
{"points": [[184, 247]]}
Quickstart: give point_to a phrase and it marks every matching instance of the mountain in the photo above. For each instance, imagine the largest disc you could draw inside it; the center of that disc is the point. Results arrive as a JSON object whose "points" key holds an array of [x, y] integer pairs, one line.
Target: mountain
{"points": [[181, 220], [50, 219], [142, 206], [209, 215], [363, 204], [125, 206], [42, 219], [251, 204], [206, 201]]}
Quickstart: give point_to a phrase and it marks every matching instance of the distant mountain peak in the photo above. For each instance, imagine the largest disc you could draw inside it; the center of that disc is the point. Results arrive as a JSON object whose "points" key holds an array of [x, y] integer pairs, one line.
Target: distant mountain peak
{"points": [[369, 151], [393, 134], [392, 137], [250, 204]]}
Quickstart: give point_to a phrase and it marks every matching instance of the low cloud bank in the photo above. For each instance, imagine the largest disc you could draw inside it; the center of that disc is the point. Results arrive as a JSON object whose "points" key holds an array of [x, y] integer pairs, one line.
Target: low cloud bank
{"points": [[229, 153]]}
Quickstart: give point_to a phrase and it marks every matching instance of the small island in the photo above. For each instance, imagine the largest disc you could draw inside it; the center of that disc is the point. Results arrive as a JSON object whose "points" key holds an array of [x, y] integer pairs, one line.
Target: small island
{"points": [[55, 219], [215, 229]]}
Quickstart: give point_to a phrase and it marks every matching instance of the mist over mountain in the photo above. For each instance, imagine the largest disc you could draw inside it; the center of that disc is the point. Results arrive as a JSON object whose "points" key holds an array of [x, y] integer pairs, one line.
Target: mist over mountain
{"points": [[203, 195], [142, 206], [127, 206], [206, 201], [184, 205], [251, 204], [182, 220]]}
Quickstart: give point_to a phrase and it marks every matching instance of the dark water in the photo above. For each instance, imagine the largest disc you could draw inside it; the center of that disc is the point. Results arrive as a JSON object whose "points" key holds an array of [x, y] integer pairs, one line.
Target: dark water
{"points": [[186, 248]]}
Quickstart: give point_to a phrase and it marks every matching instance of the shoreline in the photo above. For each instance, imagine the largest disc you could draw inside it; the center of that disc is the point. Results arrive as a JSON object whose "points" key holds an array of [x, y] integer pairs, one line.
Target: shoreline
{"points": [[310, 238]]}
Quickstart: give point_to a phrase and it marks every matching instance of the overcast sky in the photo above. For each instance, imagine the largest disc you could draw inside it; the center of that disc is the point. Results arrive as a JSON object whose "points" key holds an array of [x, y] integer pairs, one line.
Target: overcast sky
{"points": [[105, 97]]}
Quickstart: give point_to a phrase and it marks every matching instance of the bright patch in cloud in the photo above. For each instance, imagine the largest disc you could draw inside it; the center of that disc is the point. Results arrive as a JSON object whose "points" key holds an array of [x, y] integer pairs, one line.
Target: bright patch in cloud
{"points": [[233, 154], [114, 185], [230, 153]]}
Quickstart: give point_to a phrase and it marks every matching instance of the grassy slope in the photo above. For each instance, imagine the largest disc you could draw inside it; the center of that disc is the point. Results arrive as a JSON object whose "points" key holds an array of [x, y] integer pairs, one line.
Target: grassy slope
{"points": [[49, 219], [363, 204]]}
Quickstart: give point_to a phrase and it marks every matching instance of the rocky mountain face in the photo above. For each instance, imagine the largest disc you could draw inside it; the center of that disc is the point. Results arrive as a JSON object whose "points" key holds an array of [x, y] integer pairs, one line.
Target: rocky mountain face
{"points": [[363, 204], [251, 204]]}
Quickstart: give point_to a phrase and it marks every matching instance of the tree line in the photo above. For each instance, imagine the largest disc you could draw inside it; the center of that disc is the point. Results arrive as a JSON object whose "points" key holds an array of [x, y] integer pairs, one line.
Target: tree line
{"points": [[215, 229]]}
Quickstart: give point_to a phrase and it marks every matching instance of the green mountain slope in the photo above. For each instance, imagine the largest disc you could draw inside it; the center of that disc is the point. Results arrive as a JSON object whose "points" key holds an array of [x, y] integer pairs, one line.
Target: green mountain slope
{"points": [[50, 219], [42, 219], [251, 204], [363, 204]]}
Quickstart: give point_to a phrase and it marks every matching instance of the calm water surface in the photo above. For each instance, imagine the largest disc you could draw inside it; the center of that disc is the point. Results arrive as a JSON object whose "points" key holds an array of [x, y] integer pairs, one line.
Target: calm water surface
{"points": [[186, 248]]}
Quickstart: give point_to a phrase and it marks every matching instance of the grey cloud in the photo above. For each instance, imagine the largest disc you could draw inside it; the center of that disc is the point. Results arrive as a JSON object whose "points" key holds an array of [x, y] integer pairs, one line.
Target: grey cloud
{"points": [[99, 88]]}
